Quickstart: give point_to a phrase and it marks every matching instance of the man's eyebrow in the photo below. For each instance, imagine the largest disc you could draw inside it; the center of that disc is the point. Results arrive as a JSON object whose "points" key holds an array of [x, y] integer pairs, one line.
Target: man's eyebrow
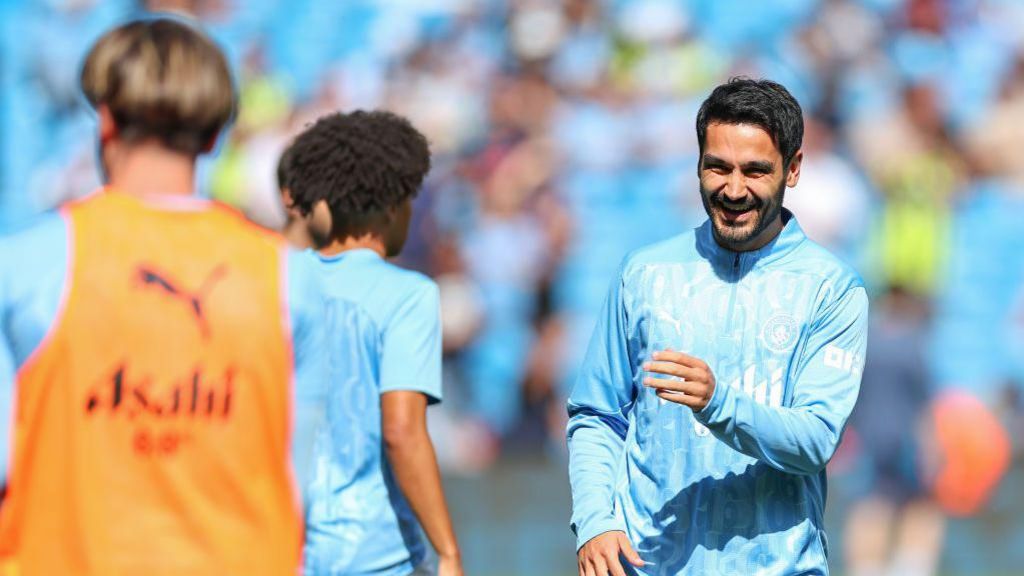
{"points": [[712, 159], [759, 165]]}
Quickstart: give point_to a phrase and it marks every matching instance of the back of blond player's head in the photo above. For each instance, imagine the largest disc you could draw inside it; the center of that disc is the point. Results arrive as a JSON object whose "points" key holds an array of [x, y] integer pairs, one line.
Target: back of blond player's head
{"points": [[161, 79]]}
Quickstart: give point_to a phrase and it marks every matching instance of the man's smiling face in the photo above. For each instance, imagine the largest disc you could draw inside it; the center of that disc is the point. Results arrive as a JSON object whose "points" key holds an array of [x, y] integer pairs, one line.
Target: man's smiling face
{"points": [[742, 183]]}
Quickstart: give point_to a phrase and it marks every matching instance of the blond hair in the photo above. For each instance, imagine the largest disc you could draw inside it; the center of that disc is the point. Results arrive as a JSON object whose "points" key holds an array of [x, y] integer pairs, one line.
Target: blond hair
{"points": [[161, 79]]}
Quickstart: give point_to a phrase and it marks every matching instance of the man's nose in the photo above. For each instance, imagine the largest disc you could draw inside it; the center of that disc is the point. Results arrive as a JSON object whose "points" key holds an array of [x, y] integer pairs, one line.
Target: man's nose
{"points": [[735, 188]]}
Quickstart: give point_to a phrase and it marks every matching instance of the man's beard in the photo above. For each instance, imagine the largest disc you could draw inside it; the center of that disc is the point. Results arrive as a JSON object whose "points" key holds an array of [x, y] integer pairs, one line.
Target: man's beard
{"points": [[765, 211]]}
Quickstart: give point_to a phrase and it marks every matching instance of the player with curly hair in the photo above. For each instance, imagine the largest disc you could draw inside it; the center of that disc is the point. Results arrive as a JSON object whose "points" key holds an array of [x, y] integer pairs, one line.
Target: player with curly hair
{"points": [[376, 472]]}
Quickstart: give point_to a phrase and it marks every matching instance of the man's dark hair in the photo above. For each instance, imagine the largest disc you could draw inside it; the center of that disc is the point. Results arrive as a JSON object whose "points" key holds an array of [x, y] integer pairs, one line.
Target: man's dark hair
{"points": [[284, 168], [361, 163], [759, 102]]}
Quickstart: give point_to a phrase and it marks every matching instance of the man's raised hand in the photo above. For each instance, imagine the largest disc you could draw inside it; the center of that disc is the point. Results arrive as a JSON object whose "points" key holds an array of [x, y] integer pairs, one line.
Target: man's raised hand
{"points": [[693, 385]]}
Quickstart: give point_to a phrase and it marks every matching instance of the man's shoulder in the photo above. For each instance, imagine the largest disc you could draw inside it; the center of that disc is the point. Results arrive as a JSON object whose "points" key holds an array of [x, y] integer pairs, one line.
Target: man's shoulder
{"points": [[383, 285], [406, 282], [678, 249], [813, 258], [412, 292], [383, 289], [34, 264], [837, 281], [41, 244], [43, 228]]}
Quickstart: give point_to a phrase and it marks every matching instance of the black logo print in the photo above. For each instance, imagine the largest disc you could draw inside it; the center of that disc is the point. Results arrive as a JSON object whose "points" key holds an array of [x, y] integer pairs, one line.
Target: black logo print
{"points": [[195, 395], [163, 418], [149, 276]]}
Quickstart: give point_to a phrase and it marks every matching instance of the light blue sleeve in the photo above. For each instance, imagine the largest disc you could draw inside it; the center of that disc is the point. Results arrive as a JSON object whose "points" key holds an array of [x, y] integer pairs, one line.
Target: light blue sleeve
{"points": [[801, 438], [33, 265], [599, 408], [6, 375], [306, 311], [411, 342]]}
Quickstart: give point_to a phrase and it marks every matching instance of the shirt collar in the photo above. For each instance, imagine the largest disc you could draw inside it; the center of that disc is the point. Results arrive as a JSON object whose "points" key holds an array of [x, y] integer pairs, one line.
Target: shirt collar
{"points": [[791, 236], [359, 254], [163, 202]]}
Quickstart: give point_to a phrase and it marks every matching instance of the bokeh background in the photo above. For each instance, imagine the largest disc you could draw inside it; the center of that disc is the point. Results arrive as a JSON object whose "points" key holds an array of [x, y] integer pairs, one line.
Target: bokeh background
{"points": [[563, 137]]}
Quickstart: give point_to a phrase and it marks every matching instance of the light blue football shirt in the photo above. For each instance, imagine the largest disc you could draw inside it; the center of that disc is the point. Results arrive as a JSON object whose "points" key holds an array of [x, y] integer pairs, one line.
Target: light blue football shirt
{"points": [[385, 321], [738, 488]]}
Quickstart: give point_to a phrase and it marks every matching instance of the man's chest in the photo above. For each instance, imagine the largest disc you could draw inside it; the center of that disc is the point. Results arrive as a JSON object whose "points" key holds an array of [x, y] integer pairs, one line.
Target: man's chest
{"points": [[750, 330]]}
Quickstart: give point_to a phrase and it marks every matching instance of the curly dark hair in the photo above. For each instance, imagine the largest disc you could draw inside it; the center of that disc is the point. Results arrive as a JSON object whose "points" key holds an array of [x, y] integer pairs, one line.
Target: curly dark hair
{"points": [[284, 168], [361, 163]]}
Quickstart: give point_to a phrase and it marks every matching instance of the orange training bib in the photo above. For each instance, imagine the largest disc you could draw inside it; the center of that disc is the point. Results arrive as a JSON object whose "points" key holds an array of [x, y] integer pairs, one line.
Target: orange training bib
{"points": [[152, 425]]}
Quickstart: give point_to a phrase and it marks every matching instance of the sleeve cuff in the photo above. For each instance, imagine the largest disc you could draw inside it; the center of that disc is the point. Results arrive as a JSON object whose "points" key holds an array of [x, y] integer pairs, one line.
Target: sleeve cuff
{"points": [[709, 413], [594, 529], [433, 395]]}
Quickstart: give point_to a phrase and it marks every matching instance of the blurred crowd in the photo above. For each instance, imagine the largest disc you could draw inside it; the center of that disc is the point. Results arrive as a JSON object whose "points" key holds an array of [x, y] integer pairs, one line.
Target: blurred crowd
{"points": [[562, 134]]}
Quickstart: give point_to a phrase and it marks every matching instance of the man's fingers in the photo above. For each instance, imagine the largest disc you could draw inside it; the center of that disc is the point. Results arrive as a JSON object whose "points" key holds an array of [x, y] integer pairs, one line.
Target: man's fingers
{"points": [[586, 566], [615, 567], [629, 553], [679, 358], [687, 400], [683, 386], [601, 556], [673, 369]]}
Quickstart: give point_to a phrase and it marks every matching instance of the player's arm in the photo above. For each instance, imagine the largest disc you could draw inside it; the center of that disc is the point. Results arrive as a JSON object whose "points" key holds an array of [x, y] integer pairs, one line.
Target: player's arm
{"points": [[410, 379], [414, 463], [802, 437], [306, 312], [598, 421]]}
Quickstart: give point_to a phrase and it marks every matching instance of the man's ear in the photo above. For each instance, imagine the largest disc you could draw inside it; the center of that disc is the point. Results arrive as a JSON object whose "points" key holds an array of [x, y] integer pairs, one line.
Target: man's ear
{"points": [[107, 125], [793, 170], [286, 198], [209, 146]]}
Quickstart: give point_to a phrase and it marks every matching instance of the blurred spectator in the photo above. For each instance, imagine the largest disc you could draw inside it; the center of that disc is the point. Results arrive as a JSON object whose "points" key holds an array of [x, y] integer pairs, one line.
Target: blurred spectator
{"points": [[895, 528], [915, 164], [832, 199]]}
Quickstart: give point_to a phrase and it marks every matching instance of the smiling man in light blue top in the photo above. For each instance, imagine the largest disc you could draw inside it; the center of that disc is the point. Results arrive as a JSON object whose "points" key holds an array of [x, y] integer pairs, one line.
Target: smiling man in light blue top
{"points": [[721, 372], [354, 177]]}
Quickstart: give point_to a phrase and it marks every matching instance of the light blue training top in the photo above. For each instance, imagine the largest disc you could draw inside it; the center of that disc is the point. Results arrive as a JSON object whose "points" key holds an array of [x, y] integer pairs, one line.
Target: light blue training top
{"points": [[386, 320], [738, 488]]}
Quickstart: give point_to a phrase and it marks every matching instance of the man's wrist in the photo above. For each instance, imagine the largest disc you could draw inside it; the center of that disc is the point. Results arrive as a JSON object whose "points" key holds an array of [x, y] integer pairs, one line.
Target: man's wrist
{"points": [[451, 552], [595, 529], [706, 414]]}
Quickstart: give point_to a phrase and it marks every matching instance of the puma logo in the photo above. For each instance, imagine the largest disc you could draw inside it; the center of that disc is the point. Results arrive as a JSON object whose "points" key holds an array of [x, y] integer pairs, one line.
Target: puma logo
{"points": [[149, 276]]}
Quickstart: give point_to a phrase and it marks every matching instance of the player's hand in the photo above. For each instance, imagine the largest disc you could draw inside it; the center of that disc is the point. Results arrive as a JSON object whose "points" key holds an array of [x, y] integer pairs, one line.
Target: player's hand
{"points": [[449, 565], [600, 555], [695, 388]]}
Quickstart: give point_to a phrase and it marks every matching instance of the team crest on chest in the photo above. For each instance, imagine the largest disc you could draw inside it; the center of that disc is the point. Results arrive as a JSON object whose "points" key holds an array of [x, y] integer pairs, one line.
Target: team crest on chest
{"points": [[780, 332]]}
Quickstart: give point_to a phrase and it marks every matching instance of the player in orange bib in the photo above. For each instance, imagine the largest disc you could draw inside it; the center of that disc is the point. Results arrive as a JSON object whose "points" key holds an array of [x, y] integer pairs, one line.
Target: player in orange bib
{"points": [[160, 360]]}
